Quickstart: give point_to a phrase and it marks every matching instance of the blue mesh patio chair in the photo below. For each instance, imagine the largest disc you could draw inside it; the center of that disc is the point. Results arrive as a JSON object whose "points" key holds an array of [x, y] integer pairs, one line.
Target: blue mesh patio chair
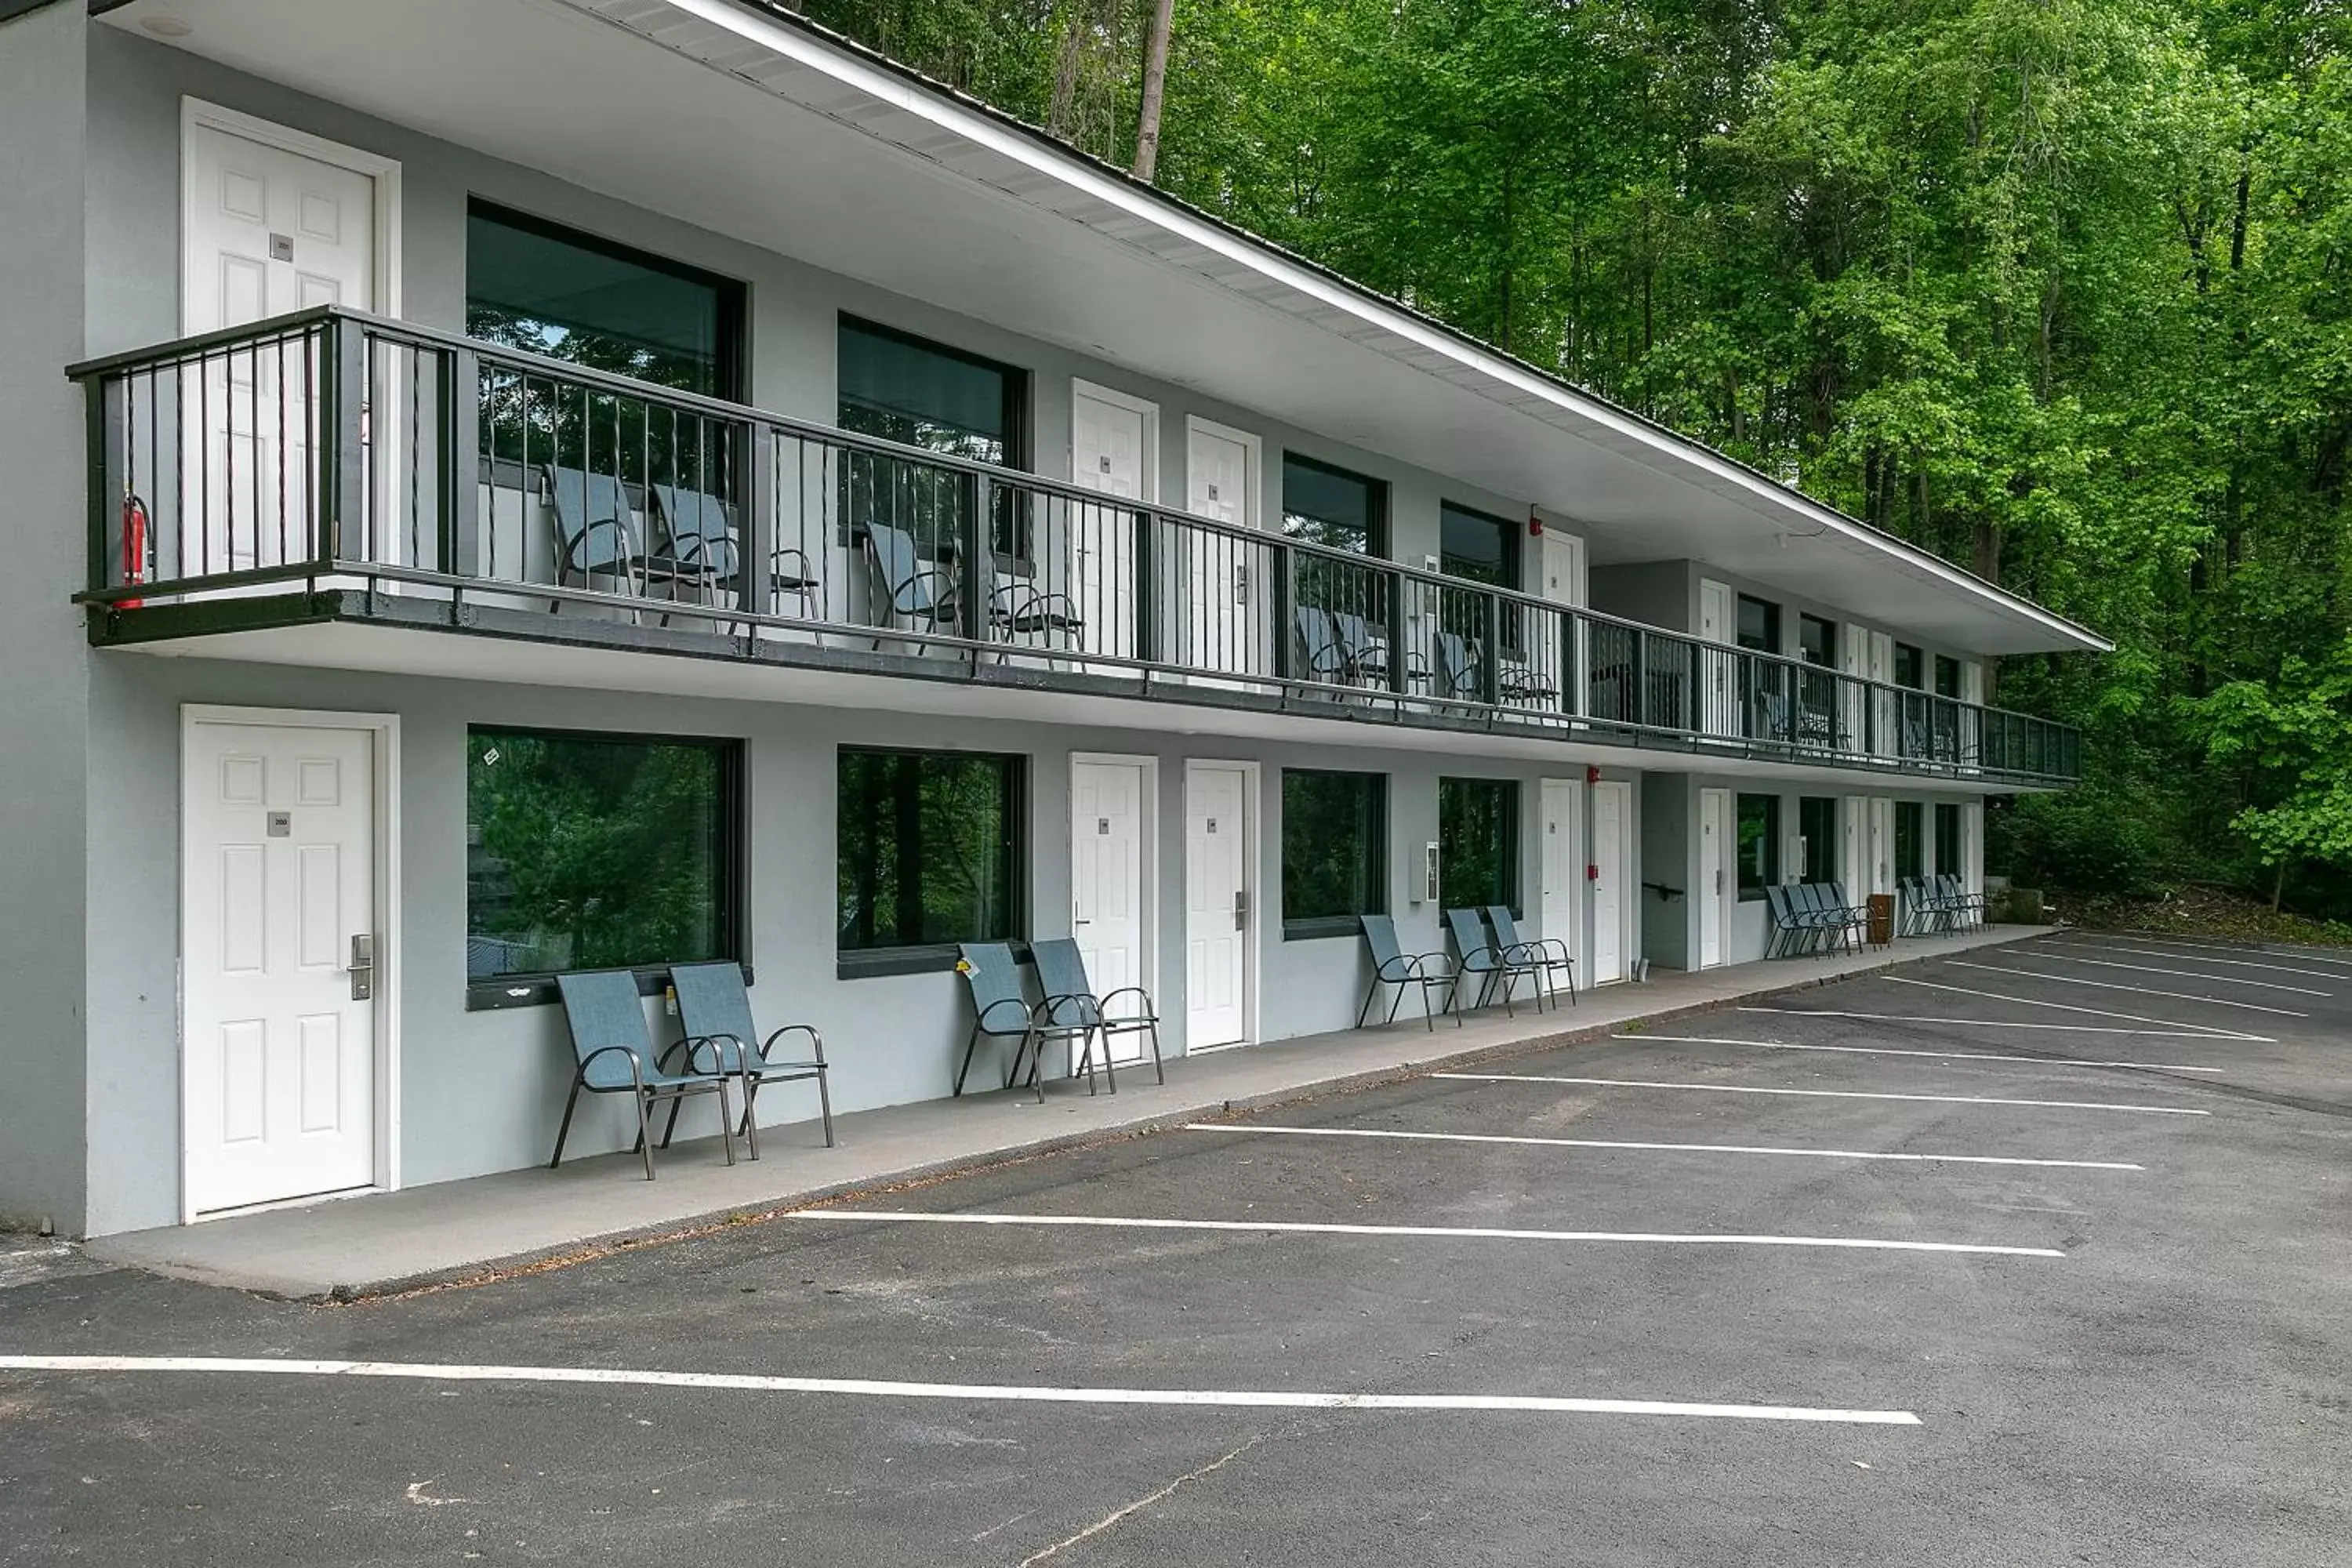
{"points": [[615, 1053], [595, 531], [1550, 953], [714, 1005], [1392, 965], [1476, 955], [1457, 668], [907, 594], [1070, 997], [1320, 657], [1022, 609], [1001, 1010]]}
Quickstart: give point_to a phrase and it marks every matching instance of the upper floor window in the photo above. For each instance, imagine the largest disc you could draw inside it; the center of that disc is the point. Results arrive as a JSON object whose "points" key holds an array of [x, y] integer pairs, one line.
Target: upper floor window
{"points": [[550, 290], [901, 388], [1816, 639], [1947, 677], [1331, 507], [1759, 625], [904, 389], [1910, 669], [1478, 546]]}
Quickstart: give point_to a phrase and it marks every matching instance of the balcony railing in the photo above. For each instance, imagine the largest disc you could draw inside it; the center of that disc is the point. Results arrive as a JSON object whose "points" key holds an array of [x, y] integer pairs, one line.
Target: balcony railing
{"points": [[333, 450]]}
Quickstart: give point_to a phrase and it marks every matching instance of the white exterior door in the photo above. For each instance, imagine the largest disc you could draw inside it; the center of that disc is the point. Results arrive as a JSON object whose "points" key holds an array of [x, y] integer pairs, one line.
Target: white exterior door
{"points": [[1881, 671], [1110, 452], [1855, 870], [1223, 574], [1853, 722], [278, 1076], [1971, 866], [1220, 923], [266, 232], [1567, 580], [1563, 864], [1612, 862], [1882, 845], [1107, 881], [1717, 694], [1715, 883]]}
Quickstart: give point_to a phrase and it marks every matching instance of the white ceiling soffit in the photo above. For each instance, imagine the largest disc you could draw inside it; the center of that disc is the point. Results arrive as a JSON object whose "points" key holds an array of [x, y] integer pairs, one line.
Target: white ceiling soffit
{"points": [[756, 128]]}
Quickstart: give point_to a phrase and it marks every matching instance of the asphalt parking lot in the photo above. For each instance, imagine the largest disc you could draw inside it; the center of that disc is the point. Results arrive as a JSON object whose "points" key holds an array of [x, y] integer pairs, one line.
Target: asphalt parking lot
{"points": [[2036, 1255]]}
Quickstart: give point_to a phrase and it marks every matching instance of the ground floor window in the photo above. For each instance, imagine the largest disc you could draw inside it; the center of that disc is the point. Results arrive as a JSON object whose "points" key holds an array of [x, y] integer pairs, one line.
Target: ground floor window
{"points": [[1948, 841], [929, 849], [598, 852], [1334, 851], [1817, 823], [1760, 844], [1910, 860], [1478, 843]]}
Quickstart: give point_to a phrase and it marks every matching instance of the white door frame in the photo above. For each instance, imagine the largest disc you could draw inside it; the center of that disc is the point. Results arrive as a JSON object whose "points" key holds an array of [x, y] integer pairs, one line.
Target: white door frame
{"points": [[1253, 464], [1148, 834], [383, 172], [384, 730], [1580, 913], [1253, 804], [1629, 888]]}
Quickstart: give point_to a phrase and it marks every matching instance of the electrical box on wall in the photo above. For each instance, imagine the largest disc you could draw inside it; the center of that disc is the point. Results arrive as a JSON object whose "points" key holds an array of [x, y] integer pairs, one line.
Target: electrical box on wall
{"points": [[1426, 893]]}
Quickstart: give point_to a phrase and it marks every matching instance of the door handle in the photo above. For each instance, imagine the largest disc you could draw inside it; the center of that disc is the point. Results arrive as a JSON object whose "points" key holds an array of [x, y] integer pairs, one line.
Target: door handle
{"points": [[363, 967], [1240, 908]]}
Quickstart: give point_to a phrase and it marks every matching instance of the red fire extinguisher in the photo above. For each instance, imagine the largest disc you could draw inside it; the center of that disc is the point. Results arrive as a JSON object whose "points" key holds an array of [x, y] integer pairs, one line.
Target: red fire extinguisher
{"points": [[134, 547]]}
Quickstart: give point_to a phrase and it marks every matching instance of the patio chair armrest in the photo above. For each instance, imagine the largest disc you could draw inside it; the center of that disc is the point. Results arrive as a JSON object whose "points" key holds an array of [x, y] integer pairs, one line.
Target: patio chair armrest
{"points": [[801, 576], [1520, 955], [717, 1067], [636, 1062], [1089, 1010], [816, 1041], [1408, 966], [1026, 1014], [1149, 1012], [941, 596]]}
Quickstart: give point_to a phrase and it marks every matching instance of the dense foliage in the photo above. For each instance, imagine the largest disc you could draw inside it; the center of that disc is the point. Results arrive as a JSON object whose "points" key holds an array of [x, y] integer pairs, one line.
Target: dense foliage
{"points": [[2059, 288]]}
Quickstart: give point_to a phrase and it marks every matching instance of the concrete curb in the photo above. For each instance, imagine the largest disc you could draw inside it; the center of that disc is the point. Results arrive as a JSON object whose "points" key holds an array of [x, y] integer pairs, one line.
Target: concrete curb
{"points": [[715, 1220]]}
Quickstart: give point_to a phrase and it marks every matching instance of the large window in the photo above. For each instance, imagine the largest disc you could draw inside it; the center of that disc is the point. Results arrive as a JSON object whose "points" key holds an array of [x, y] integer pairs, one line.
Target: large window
{"points": [[1760, 844], [1334, 851], [929, 849], [1477, 843], [1947, 677], [1329, 506], [920, 394], [537, 286], [598, 852], [1759, 625], [1817, 823], [1817, 640], [1477, 547], [1909, 851], [1948, 841], [1909, 667]]}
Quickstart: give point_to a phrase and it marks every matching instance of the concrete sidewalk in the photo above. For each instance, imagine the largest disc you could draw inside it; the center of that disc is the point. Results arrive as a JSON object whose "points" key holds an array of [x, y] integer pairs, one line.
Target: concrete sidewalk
{"points": [[380, 1243]]}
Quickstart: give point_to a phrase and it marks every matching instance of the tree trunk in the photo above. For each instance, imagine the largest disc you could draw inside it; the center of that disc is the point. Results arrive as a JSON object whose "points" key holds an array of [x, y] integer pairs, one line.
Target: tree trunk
{"points": [[1155, 89], [2278, 887]]}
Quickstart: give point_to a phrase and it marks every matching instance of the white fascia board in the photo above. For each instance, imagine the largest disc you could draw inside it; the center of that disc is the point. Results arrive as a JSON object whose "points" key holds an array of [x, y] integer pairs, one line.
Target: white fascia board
{"points": [[980, 129]]}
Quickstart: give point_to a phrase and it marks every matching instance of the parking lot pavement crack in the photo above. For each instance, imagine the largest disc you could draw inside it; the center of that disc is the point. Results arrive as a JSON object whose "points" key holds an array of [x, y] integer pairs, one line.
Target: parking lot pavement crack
{"points": [[1111, 1519]]}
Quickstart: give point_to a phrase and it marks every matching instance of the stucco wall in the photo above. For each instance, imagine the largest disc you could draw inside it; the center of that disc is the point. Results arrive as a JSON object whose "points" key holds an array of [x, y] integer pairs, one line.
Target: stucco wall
{"points": [[42, 650]]}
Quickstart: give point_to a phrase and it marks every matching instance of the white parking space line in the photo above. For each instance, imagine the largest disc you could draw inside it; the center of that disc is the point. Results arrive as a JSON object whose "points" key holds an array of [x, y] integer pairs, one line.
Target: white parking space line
{"points": [[2213, 1030], [2067, 955], [1900, 1051], [2304, 954], [2010, 1023], [2218, 962], [1815, 1093], [757, 1382], [1432, 1232], [1671, 1148], [2044, 974]]}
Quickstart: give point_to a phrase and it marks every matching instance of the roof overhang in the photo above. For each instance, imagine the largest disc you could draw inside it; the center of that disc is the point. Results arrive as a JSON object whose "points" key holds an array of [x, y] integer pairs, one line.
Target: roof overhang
{"points": [[751, 123]]}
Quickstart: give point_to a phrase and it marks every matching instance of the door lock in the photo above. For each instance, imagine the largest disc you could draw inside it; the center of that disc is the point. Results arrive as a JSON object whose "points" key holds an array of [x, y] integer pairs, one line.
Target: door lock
{"points": [[363, 967]]}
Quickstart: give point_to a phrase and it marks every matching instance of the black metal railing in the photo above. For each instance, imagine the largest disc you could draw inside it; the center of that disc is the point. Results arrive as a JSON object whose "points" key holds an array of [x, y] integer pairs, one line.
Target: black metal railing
{"points": [[334, 448]]}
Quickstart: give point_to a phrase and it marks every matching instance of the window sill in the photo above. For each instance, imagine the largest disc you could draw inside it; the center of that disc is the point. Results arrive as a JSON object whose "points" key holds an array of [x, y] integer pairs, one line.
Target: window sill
{"points": [[875, 963], [1322, 930], [539, 990]]}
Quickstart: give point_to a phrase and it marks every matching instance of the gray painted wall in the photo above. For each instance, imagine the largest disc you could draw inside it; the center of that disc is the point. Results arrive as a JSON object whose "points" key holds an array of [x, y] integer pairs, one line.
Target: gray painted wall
{"points": [[42, 507]]}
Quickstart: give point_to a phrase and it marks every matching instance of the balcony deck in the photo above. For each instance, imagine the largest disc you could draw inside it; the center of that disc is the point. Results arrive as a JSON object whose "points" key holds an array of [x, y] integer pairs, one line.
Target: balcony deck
{"points": [[334, 488]]}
